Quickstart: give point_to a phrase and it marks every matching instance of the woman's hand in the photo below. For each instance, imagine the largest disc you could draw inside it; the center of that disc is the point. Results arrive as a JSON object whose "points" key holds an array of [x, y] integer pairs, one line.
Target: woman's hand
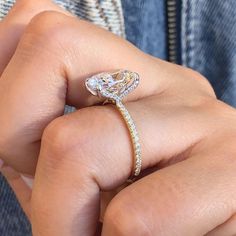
{"points": [[181, 125]]}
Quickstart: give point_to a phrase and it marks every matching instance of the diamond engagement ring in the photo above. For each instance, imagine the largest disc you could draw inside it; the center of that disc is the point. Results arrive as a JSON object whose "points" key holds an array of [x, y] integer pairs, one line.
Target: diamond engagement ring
{"points": [[113, 87]]}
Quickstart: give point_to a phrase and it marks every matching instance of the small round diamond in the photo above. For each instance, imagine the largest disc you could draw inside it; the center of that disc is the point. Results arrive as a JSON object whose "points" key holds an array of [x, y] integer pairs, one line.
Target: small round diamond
{"points": [[92, 83]]}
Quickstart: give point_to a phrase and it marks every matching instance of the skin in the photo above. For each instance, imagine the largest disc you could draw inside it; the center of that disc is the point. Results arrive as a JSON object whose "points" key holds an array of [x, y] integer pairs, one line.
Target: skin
{"points": [[187, 135]]}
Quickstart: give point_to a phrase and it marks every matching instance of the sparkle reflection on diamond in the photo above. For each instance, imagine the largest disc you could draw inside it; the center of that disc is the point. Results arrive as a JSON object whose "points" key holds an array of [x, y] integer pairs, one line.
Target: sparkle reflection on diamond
{"points": [[92, 83]]}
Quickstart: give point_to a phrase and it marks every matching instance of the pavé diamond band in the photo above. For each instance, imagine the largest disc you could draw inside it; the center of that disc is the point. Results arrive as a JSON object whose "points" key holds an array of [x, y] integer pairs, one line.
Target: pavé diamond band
{"points": [[113, 87]]}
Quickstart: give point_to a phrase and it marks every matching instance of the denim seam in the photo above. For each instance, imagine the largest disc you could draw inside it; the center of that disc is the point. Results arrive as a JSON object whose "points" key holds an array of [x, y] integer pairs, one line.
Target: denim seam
{"points": [[142, 4], [188, 26], [184, 33]]}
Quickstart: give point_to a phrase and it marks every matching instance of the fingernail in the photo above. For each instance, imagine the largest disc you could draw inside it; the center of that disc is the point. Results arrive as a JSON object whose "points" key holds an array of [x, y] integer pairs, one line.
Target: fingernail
{"points": [[1, 163], [29, 181]]}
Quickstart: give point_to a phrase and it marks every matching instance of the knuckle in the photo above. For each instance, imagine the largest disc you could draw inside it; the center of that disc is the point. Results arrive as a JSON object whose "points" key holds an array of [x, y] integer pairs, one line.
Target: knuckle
{"points": [[47, 22], [123, 217], [57, 136], [73, 136], [62, 144], [202, 80], [128, 213], [193, 73], [47, 30]]}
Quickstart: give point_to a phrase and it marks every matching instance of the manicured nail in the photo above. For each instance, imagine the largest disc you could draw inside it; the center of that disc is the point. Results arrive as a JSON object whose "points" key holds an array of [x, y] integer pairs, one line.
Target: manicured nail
{"points": [[29, 181], [1, 163]]}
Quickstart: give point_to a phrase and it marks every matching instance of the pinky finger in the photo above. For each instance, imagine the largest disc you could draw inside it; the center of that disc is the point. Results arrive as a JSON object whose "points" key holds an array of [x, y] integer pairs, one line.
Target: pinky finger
{"points": [[20, 187]]}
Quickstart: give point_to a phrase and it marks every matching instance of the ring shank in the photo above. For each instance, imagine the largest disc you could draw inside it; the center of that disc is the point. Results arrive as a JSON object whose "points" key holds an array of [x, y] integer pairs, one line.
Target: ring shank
{"points": [[134, 137]]}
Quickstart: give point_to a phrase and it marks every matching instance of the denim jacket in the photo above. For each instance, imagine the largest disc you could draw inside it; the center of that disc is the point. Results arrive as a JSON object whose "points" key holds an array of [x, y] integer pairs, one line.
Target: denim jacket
{"points": [[204, 39]]}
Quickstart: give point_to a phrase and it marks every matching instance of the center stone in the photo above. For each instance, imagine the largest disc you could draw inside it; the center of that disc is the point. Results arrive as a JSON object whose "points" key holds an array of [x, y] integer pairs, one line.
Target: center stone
{"points": [[100, 82], [111, 85]]}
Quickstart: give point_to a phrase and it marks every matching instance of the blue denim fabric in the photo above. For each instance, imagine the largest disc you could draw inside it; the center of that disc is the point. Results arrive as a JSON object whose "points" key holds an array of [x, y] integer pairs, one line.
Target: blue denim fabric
{"points": [[12, 220], [145, 24], [209, 43]]}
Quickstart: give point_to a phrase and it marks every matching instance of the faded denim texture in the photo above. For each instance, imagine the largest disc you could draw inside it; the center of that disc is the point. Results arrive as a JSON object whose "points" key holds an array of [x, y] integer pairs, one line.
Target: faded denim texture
{"points": [[145, 24], [209, 43], [12, 220]]}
